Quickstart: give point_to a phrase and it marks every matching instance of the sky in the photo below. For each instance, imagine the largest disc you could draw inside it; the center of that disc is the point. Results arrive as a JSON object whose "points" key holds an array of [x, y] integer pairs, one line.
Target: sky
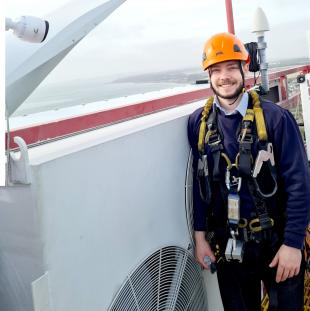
{"points": [[155, 35]]}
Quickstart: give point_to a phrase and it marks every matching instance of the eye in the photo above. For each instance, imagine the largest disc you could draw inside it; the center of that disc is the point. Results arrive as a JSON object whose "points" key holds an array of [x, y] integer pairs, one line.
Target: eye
{"points": [[233, 67], [215, 70]]}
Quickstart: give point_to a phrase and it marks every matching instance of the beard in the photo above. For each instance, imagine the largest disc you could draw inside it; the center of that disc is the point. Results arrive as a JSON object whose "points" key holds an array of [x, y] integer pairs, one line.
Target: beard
{"points": [[234, 95]]}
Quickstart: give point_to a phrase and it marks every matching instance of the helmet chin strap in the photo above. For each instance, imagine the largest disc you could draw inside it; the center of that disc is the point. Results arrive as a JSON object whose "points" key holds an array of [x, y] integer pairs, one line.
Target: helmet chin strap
{"points": [[219, 97], [238, 96], [234, 100]]}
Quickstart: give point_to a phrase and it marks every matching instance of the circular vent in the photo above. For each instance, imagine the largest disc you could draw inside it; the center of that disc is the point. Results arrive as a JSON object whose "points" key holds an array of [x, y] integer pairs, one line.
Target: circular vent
{"points": [[169, 279]]}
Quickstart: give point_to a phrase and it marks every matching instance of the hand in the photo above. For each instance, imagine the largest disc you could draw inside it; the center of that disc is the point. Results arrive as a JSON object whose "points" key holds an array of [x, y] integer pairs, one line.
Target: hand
{"points": [[288, 260], [202, 249]]}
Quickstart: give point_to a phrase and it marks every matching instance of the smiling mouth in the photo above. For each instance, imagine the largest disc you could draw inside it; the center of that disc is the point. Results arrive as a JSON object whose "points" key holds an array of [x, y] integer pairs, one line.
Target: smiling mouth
{"points": [[226, 85]]}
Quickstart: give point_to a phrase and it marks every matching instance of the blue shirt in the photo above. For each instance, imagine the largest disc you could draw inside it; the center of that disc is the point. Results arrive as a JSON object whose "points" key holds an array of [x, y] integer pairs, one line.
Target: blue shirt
{"points": [[241, 108]]}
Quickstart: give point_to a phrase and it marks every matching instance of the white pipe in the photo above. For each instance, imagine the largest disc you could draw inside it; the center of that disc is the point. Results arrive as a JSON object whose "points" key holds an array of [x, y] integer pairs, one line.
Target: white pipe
{"points": [[259, 27], [261, 46]]}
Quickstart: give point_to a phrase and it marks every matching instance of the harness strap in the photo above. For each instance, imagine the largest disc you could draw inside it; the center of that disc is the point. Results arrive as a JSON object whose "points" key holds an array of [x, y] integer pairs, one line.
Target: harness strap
{"points": [[214, 141], [245, 143], [259, 117], [202, 170], [265, 221], [209, 134], [203, 125], [203, 179], [273, 298]]}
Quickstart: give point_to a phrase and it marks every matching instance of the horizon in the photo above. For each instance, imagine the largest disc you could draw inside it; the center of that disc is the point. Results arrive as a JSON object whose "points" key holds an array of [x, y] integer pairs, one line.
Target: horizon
{"points": [[156, 36]]}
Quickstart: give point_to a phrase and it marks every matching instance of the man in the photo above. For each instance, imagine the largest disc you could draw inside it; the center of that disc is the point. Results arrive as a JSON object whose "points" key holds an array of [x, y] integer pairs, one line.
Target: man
{"points": [[251, 187]]}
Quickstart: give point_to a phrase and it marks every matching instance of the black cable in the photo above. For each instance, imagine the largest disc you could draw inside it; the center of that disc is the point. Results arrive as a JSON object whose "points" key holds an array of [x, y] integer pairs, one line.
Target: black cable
{"points": [[254, 59]]}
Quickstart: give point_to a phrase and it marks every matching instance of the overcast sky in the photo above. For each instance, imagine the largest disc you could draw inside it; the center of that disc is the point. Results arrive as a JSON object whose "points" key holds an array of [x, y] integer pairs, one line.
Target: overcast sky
{"points": [[155, 35]]}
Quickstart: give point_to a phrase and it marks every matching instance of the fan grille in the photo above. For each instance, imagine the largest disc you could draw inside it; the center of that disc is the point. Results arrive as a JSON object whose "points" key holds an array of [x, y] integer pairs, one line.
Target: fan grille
{"points": [[169, 279]]}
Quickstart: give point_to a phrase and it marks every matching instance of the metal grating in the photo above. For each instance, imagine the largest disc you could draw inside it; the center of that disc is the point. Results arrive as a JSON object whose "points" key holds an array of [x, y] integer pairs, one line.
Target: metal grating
{"points": [[168, 280]]}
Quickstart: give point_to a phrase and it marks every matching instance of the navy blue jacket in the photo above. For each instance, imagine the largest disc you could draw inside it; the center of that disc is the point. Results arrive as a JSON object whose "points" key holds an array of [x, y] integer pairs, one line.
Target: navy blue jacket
{"points": [[292, 169]]}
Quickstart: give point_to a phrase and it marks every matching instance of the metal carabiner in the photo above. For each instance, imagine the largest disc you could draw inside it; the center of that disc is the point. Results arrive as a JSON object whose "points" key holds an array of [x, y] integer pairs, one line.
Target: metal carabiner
{"points": [[236, 181]]}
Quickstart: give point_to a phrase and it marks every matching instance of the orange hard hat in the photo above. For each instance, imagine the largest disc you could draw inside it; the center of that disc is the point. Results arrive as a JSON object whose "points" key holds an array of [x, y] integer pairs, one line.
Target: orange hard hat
{"points": [[222, 47]]}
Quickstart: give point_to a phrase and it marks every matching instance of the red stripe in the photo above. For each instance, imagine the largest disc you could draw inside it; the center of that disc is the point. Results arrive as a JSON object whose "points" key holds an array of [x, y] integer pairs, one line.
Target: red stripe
{"points": [[47, 131], [292, 102], [65, 127], [301, 69]]}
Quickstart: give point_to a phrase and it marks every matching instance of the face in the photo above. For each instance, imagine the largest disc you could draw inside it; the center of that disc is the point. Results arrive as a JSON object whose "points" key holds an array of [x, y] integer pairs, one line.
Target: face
{"points": [[226, 79]]}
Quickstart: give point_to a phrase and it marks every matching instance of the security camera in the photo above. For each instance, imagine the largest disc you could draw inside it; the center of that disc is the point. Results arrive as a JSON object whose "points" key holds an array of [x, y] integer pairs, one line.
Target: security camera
{"points": [[301, 78], [28, 28]]}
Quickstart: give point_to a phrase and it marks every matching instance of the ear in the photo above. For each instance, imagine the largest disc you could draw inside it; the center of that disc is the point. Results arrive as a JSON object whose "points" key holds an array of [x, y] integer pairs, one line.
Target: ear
{"points": [[245, 67]]}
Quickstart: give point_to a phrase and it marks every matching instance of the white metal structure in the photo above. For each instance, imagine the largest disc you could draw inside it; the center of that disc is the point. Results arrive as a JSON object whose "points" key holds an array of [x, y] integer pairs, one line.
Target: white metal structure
{"points": [[27, 65], [305, 100], [83, 212], [84, 223]]}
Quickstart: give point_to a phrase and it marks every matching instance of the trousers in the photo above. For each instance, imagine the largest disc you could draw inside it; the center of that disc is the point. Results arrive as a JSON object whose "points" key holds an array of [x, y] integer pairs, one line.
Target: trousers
{"points": [[240, 283]]}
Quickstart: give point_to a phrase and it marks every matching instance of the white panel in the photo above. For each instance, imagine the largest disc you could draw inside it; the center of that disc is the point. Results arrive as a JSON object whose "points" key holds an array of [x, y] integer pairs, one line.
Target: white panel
{"points": [[40, 294], [308, 40], [213, 292], [21, 259], [99, 204], [106, 207]]}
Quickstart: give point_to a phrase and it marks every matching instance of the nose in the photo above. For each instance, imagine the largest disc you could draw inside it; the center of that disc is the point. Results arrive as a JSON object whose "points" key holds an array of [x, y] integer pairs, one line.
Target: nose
{"points": [[225, 72]]}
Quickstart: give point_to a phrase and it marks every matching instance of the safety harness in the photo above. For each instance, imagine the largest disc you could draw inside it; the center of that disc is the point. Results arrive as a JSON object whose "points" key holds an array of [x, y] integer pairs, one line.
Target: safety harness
{"points": [[244, 167]]}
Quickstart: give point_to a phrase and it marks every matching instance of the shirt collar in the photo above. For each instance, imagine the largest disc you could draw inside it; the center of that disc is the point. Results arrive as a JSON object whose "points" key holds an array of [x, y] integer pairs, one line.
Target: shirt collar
{"points": [[241, 108]]}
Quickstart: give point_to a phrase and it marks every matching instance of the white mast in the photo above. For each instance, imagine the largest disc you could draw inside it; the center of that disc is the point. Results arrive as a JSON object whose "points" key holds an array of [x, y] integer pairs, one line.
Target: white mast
{"points": [[260, 26]]}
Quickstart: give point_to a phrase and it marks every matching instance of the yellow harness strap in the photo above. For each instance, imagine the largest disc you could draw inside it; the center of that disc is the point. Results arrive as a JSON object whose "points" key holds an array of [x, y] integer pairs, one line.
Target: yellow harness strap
{"points": [[256, 112], [203, 124], [249, 116], [259, 117]]}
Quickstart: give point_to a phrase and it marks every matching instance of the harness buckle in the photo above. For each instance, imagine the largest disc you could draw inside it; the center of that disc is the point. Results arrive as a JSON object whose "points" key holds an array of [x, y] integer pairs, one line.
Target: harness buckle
{"points": [[245, 137], [232, 181], [234, 250], [203, 166], [262, 223], [213, 139]]}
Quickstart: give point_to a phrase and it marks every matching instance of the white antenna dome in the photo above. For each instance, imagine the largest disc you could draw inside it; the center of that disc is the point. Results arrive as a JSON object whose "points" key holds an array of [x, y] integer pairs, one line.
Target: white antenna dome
{"points": [[260, 22]]}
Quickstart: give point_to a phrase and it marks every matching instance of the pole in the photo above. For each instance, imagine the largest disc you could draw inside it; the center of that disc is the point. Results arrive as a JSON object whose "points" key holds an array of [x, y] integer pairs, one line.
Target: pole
{"points": [[261, 46], [230, 17]]}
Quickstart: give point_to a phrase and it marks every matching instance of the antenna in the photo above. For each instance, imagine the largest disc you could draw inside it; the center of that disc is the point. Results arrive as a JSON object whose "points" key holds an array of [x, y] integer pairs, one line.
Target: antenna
{"points": [[259, 27]]}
